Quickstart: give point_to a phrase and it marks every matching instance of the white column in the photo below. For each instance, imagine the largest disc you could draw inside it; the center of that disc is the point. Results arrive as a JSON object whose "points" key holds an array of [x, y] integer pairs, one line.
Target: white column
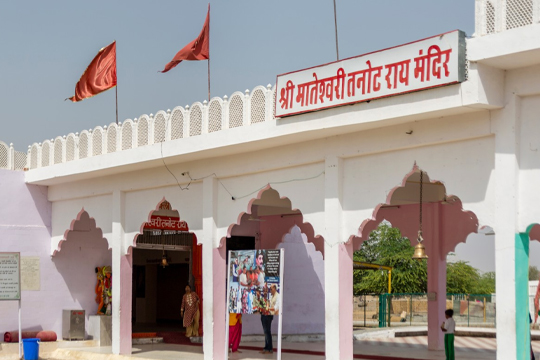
{"points": [[213, 277], [506, 210], [121, 279], [337, 268]]}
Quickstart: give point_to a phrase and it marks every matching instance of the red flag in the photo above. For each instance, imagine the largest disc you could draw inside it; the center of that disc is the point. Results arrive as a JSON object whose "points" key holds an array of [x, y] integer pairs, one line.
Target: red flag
{"points": [[198, 49], [99, 76]]}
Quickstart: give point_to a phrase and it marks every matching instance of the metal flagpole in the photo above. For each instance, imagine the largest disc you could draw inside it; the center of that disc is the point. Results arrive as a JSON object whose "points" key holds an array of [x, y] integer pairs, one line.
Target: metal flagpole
{"points": [[116, 91], [208, 52], [335, 25], [117, 102]]}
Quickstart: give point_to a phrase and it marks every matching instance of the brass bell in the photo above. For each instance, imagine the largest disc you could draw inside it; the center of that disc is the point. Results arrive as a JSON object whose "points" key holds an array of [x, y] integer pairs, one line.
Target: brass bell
{"points": [[419, 252], [164, 262]]}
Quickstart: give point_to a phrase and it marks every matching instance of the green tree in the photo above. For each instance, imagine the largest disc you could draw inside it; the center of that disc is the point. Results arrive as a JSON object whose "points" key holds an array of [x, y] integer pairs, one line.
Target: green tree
{"points": [[486, 284], [533, 273], [386, 246], [461, 278]]}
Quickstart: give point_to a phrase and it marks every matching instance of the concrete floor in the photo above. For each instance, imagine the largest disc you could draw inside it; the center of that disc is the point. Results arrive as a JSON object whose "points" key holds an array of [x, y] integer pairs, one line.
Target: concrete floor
{"points": [[467, 348]]}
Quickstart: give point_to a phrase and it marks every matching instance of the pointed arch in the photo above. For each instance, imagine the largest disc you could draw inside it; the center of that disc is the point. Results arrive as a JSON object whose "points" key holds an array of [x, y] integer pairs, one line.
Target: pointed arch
{"points": [[269, 195], [402, 211], [82, 223]]}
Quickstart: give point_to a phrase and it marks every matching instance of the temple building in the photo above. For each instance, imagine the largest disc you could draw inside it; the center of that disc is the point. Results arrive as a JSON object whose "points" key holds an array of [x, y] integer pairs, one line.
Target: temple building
{"points": [[447, 127]]}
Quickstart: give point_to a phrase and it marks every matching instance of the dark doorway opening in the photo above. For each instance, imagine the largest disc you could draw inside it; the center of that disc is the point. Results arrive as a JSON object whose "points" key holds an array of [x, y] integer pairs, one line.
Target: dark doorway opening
{"points": [[235, 243], [157, 290]]}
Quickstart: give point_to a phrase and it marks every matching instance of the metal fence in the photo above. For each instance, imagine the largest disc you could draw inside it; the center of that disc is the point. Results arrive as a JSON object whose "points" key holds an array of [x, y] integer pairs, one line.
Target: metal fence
{"points": [[392, 310]]}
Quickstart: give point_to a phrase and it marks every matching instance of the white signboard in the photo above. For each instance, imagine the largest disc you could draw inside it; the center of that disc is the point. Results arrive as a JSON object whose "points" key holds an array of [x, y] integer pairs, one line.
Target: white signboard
{"points": [[10, 276], [424, 64]]}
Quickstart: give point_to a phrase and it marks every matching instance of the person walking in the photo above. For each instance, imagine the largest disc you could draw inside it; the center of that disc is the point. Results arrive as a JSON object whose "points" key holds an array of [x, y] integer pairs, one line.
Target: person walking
{"points": [[190, 312], [449, 327]]}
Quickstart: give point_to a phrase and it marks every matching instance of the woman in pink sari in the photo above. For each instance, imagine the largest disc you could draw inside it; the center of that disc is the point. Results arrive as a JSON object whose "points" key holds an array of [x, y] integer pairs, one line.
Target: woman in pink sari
{"points": [[235, 332]]}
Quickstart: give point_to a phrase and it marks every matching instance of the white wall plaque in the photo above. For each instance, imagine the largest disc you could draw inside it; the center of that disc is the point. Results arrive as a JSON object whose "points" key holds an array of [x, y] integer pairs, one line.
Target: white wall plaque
{"points": [[30, 273], [10, 276], [423, 64]]}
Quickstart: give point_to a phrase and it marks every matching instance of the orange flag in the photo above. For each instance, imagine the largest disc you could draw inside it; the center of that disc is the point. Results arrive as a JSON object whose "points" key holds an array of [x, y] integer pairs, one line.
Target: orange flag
{"points": [[198, 49], [99, 76]]}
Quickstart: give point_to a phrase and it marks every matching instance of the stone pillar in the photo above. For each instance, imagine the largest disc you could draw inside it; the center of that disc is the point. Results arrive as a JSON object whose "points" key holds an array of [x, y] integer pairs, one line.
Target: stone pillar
{"points": [[338, 273], [506, 127], [436, 279], [121, 279], [213, 277]]}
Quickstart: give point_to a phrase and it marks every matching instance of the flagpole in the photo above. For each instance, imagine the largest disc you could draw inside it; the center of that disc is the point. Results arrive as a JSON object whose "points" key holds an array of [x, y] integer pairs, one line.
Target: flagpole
{"points": [[116, 103], [335, 25], [116, 93], [209, 53]]}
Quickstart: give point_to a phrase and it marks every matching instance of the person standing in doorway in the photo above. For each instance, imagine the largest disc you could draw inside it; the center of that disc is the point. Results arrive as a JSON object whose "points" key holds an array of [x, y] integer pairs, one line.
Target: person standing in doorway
{"points": [[449, 327], [190, 312]]}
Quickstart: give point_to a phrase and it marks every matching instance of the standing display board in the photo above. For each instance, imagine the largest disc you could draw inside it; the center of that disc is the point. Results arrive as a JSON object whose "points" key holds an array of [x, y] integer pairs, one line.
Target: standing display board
{"points": [[252, 274], [10, 282]]}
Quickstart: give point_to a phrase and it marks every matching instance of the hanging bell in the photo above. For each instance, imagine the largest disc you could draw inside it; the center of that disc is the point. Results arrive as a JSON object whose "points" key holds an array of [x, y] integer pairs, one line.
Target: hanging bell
{"points": [[164, 262], [419, 252]]}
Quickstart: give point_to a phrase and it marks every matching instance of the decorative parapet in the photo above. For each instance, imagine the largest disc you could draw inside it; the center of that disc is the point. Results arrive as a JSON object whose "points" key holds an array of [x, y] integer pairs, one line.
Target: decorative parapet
{"points": [[243, 109], [493, 16], [11, 159]]}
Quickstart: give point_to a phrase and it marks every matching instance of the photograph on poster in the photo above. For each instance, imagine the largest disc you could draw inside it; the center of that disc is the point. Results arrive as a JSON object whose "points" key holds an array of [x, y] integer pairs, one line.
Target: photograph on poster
{"points": [[253, 273]]}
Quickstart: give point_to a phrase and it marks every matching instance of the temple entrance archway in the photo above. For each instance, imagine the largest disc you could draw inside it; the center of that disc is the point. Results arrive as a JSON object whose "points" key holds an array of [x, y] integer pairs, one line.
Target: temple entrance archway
{"points": [[166, 258], [445, 224], [82, 256], [272, 223]]}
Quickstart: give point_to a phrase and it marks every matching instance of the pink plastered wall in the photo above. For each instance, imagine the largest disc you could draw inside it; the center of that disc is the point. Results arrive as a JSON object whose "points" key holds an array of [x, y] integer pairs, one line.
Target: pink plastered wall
{"points": [[66, 281]]}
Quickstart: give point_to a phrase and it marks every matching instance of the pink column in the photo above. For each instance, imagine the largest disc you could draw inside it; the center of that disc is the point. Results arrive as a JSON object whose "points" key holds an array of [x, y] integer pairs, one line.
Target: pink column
{"points": [[126, 266], [436, 281], [346, 300], [220, 299]]}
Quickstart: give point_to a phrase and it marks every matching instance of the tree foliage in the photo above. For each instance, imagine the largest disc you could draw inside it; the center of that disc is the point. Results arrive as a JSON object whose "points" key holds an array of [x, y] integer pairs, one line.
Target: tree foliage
{"points": [[386, 246], [533, 273]]}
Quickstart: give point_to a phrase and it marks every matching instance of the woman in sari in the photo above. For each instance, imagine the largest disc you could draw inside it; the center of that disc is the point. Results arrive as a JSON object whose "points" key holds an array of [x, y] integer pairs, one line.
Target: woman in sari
{"points": [[190, 312], [235, 332]]}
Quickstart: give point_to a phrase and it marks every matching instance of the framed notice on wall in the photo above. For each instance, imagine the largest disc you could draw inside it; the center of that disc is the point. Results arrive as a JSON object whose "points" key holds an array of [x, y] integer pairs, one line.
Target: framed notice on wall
{"points": [[10, 276]]}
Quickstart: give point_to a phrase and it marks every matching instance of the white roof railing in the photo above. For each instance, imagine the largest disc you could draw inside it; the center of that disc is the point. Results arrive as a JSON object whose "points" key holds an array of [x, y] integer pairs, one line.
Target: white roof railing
{"points": [[242, 109], [11, 159], [493, 16]]}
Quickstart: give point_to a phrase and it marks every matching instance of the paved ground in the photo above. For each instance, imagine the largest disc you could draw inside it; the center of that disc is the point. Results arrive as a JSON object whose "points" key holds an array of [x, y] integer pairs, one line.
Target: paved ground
{"points": [[467, 348], [371, 344]]}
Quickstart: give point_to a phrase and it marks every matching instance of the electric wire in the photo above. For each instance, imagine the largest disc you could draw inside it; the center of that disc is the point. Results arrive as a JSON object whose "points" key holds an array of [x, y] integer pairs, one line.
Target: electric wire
{"points": [[223, 185], [169, 170]]}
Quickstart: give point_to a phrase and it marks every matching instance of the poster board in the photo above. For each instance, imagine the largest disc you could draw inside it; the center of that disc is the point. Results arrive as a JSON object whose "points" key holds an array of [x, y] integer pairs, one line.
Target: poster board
{"points": [[10, 276], [251, 277], [10, 283]]}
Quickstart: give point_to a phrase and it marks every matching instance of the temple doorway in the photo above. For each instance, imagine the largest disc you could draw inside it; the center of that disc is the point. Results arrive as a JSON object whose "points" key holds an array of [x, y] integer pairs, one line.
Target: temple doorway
{"points": [[163, 264]]}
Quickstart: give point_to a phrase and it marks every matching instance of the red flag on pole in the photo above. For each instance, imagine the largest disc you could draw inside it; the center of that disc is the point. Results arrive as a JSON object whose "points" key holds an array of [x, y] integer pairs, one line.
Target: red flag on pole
{"points": [[99, 76], [198, 49]]}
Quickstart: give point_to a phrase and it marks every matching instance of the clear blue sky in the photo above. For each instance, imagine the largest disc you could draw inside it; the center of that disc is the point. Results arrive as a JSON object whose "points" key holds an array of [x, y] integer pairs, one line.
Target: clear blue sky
{"points": [[46, 45]]}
